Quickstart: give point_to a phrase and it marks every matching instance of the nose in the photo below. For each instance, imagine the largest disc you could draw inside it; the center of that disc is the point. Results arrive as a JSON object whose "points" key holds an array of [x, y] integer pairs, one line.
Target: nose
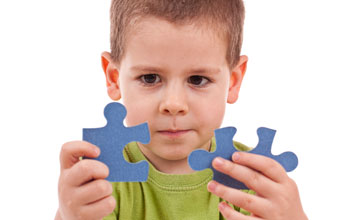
{"points": [[174, 101]]}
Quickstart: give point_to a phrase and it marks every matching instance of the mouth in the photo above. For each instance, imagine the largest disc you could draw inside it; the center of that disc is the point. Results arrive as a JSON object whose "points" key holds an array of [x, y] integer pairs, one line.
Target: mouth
{"points": [[174, 133]]}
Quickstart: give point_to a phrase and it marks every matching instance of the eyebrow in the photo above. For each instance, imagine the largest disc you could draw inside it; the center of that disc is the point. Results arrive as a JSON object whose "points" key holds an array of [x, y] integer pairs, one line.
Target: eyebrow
{"points": [[143, 68], [200, 70]]}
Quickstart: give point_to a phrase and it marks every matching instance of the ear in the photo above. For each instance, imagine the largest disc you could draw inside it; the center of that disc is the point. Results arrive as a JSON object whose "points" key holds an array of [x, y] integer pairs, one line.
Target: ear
{"points": [[236, 78], [111, 71]]}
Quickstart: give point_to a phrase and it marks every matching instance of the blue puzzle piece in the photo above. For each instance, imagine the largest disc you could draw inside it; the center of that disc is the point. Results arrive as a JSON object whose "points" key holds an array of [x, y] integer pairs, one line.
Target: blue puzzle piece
{"points": [[201, 159], [112, 139]]}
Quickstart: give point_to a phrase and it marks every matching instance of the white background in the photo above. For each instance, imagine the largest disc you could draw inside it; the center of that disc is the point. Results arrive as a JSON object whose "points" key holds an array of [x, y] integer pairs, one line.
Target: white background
{"points": [[52, 86]]}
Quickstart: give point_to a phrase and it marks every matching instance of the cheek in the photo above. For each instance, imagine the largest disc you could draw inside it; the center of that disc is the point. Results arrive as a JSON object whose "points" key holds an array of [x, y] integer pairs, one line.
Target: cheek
{"points": [[211, 114], [139, 109], [137, 113], [134, 103]]}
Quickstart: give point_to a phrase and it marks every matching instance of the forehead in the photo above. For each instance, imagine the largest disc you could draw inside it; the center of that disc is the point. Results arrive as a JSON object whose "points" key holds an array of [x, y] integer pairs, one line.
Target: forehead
{"points": [[158, 40], [143, 23]]}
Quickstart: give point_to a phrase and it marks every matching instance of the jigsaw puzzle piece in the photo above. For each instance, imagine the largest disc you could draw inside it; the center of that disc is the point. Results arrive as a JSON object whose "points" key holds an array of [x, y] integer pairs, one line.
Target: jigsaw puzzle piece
{"points": [[288, 160], [201, 159], [112, 139]]}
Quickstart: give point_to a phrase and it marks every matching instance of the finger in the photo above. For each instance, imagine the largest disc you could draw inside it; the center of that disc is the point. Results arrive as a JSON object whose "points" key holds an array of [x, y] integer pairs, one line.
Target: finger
{"points": [[72, 151], [251, 203], [85, 171], [98, 209], [251, 178], [94, 191], [231, 214], [269, 167]]}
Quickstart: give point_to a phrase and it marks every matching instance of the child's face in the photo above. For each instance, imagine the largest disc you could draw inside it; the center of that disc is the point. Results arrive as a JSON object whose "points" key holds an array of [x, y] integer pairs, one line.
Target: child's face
{"points": [[177, 79]]}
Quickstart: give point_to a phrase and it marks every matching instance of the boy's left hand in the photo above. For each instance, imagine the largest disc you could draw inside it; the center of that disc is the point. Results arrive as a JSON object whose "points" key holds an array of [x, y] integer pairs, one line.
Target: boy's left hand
{"points": [[277, 195]]}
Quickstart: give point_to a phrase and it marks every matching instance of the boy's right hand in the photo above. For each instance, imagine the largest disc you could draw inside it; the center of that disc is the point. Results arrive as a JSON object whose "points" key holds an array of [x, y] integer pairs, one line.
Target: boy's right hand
{"points": [[83, 191]]}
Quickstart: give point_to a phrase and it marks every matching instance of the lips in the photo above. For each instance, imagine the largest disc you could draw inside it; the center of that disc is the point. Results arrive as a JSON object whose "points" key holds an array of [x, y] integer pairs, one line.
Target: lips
{"points": [[174, 133]]}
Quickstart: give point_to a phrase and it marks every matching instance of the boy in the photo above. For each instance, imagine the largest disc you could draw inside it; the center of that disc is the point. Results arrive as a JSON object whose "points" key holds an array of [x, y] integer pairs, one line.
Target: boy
{"points": [[175, 64]]}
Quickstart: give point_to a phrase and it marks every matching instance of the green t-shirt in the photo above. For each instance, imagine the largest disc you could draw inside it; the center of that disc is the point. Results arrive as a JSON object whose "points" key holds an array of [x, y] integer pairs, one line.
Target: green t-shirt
{"points": [[167, 196]]}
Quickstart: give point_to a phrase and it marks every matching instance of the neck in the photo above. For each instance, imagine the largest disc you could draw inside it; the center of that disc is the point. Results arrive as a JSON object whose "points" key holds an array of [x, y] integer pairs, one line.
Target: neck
{"points": [[169, 166], [176, 166]]}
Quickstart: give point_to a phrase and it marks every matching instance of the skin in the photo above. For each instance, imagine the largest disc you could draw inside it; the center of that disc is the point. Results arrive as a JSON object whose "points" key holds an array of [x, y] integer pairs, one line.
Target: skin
{"points": [[182, 92], [177, 79], [82, 191]]}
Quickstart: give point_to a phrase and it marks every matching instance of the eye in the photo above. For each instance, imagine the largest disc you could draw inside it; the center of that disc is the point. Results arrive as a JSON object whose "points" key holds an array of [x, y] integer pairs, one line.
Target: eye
{"points": [[198, 80], [150, 79]]}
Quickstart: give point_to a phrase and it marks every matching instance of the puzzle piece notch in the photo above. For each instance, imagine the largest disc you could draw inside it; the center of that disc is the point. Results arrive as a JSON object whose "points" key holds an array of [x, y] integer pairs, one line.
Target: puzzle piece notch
{"points": [[112, 139], [288, 160], [201, 159]]}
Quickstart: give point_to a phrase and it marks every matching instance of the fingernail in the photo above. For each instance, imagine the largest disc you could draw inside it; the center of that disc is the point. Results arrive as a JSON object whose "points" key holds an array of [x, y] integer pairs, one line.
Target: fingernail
{"points": [[222, 206], [235, 156], [212, 186], [219, 161], [97, 151]]}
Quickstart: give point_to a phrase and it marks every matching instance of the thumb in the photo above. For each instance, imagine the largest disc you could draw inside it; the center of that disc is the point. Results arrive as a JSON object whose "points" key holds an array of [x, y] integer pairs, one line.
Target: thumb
{"points": [[72, 151]]}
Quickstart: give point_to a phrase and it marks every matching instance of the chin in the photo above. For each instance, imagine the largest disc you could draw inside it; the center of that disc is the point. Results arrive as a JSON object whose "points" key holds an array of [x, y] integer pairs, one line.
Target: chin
{"points": [[175, 156]]}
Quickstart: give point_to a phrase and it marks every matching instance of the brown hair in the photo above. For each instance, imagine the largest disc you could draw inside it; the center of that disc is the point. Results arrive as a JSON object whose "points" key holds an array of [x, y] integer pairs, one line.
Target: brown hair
{"points": [[225, 17]]}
